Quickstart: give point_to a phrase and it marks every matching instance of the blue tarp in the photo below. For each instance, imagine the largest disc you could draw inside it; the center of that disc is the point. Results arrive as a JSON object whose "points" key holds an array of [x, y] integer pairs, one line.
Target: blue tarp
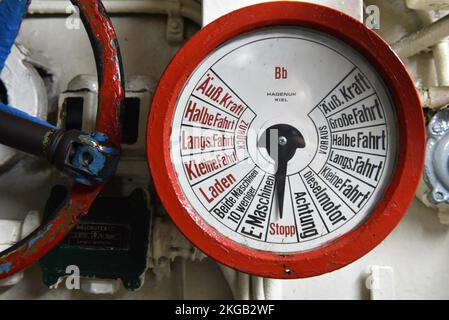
{"points": [[11, 16]]}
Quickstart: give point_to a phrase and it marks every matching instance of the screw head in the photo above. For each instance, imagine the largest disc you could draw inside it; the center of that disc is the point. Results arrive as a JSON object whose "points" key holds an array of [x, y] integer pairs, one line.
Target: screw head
{"points": [[439, 196], [175, 25], [282, 141]]}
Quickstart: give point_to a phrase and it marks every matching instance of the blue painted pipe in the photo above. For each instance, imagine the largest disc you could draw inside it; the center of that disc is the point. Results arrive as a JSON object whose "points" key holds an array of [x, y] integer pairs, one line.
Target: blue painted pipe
{"points": [[24, 115]]}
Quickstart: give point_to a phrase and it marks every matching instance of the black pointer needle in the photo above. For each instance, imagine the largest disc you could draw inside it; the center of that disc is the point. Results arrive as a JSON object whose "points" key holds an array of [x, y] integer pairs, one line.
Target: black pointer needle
{"points": [[281, 142], [281, 177]]}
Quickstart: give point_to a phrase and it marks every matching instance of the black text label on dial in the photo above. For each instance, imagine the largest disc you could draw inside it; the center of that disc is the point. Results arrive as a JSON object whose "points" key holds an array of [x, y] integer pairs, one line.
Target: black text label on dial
{"points": [[286, 78]]}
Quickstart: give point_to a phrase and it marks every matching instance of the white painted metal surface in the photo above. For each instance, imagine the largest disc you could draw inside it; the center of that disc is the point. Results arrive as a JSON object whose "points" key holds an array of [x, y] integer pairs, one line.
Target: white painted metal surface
{"points": [[417, 250], [428, 4], [25, 91], [12, 231], [187, 8], [381, 283], [213, 9]]}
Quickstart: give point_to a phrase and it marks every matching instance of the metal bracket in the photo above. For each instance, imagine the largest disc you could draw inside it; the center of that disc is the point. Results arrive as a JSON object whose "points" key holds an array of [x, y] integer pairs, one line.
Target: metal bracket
{"points": [[175, 24], [380, 282], [436, 172]]}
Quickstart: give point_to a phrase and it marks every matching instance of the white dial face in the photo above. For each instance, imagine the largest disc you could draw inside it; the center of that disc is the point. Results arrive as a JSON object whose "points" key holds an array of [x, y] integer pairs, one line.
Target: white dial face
{"points": [[284, 139]]}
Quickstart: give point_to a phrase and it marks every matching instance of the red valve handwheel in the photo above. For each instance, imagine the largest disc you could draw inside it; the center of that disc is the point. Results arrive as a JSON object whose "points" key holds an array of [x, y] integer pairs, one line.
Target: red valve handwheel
{"points": [[110, 97]]}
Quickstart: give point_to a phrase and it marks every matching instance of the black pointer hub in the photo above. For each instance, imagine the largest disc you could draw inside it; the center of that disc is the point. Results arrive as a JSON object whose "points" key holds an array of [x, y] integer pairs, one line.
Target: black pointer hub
{"points": [[281, 142]]}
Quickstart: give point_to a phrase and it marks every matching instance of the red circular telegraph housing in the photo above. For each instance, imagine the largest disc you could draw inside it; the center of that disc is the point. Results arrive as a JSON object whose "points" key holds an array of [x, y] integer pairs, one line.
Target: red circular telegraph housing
{"points": [[398, 193]]}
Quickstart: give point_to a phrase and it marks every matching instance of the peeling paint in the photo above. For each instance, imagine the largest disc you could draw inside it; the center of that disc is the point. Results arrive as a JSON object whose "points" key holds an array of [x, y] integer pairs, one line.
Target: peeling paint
{"points": [[39, 236], [5, 267]]}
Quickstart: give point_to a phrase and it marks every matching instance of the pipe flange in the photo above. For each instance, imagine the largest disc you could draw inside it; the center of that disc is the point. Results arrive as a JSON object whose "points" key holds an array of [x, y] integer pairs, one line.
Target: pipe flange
{"points": [[436, 173]]}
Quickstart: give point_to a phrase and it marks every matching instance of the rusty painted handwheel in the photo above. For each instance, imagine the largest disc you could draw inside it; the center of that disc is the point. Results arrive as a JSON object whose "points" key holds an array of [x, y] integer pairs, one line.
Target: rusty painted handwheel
{"points": [[111, 94]]}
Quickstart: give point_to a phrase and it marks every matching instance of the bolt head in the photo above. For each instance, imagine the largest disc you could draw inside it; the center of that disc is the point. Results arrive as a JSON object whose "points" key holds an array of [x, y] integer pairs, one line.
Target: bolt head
{"points": [[283, 141], [437, 128], [439, 196]]}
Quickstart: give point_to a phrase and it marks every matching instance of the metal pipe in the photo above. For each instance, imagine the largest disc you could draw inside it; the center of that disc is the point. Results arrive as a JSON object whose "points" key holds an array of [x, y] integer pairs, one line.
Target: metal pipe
{"points": [[428, 4], [247, 287], [187, 8], [23, 134], [257, 288], [434, 97], [239, 283], [441, 56], [243, 286], [272, 289], [422, 39], [440, 50]]}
